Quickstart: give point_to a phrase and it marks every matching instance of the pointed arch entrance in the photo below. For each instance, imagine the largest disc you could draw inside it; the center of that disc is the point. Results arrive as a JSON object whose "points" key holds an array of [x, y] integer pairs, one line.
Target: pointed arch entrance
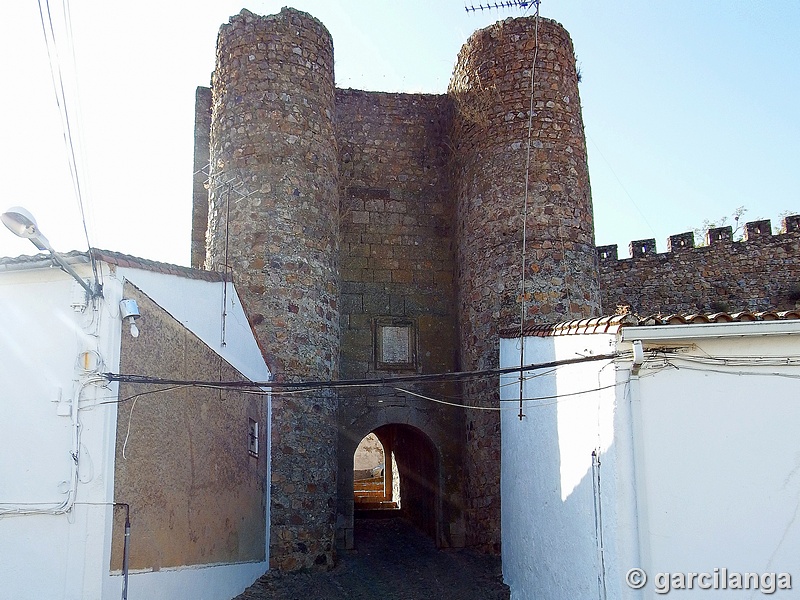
{"points": [[376, 479]]}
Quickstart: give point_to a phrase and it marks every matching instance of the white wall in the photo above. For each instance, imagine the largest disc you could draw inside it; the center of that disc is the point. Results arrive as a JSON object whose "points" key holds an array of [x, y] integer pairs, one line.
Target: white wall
{"points": [[549, 539], [46, 555], [700, 464], [719, 460], [68, 555], [207, 582]]}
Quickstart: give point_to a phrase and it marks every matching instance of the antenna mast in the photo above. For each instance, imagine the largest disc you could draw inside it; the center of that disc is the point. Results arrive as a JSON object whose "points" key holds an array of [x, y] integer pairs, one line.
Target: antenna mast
{"points": [[504, 4]]}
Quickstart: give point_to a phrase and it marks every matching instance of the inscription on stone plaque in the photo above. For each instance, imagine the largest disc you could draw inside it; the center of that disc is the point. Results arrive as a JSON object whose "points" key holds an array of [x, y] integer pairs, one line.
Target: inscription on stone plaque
{"points": [[395, 344]]}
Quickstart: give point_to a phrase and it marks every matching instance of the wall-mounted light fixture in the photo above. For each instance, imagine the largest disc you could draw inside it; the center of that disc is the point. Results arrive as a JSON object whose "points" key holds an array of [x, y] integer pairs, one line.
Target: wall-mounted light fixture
{"points": [[22, 224], [129, 311]]}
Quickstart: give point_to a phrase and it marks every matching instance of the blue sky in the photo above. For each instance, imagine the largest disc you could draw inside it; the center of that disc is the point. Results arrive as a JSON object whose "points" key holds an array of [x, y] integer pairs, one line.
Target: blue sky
{"points": [[689, 106]]}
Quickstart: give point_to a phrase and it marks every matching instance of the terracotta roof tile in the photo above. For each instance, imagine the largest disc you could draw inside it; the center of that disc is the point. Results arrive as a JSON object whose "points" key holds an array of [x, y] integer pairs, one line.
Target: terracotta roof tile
{"points": [[612, 324], [609, 324], [114, 258], [125, 260]]}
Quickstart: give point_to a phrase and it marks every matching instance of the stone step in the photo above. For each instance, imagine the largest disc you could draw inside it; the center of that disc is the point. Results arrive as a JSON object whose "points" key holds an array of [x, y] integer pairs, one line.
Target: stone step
{"points": [[368, 486]]}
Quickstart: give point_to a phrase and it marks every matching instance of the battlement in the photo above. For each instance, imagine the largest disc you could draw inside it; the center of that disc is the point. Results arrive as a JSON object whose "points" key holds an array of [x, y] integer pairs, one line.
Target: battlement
{"points": [[685, 241], [760, 272]]}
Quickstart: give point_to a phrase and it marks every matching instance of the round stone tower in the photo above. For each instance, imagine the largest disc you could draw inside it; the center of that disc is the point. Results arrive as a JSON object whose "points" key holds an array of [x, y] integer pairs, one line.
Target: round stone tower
{"points": [[274, 222], [491, 93]]}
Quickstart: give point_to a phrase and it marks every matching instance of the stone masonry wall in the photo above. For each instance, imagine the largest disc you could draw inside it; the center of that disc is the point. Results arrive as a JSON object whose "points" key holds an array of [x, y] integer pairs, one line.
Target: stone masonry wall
{"points": [[491, 90], [397, 266], [759, 273], [274, 221], [202, 133], [340, 212]]}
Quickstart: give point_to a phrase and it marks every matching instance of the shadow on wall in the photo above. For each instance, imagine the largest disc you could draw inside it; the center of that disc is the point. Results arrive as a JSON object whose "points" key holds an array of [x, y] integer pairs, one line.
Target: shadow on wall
{"points": [[552, 520]]}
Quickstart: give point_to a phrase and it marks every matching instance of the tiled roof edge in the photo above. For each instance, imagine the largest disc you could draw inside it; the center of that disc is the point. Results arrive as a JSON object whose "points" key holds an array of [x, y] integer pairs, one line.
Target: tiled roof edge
{"points": [[134, 262], [613, 323], [115, 258]]}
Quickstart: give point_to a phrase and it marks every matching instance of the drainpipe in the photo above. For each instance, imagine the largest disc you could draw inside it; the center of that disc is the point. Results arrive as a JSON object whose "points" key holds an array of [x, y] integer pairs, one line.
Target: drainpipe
{"points": [[639, 542], [125, 549]]}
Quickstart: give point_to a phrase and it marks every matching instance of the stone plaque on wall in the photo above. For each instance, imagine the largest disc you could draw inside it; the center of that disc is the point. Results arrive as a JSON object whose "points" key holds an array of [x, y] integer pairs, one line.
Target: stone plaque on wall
{"points": [[395, 344]]}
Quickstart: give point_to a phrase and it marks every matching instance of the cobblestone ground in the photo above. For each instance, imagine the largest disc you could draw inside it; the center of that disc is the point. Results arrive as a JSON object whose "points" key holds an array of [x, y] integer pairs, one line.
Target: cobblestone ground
{"points": [[392, 561]]}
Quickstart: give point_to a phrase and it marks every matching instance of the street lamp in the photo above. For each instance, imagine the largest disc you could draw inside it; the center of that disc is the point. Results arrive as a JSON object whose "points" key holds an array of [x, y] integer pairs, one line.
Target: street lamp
{"points": [[22, 224]]}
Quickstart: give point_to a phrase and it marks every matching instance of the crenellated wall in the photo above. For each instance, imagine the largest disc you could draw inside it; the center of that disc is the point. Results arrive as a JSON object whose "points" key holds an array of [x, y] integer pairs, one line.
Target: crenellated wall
{"points": [[760, 272]]}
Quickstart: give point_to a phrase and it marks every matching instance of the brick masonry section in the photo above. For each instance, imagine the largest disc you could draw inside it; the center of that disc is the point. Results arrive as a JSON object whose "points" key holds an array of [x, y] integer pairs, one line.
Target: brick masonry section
{"points": [[397, 266]]}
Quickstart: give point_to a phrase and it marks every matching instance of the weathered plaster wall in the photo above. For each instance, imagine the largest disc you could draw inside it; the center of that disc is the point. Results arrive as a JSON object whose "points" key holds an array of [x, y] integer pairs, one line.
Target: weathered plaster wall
{"points": [[196, 494], [761, 272], [491, 91], [368, 456]]}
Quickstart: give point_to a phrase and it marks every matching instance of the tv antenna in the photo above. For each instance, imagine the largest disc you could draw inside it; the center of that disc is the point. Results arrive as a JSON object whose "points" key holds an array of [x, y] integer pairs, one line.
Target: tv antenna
{"points": [[524, 4]]}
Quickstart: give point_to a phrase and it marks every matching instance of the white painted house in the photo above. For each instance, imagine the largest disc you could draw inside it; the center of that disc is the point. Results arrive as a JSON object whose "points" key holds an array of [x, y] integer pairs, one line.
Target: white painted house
{"points": [[679, 455], [72, 445]]}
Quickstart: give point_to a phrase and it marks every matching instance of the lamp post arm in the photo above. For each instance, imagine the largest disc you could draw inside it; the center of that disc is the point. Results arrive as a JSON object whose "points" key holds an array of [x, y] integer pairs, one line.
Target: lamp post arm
{"points": [[65, 265]]}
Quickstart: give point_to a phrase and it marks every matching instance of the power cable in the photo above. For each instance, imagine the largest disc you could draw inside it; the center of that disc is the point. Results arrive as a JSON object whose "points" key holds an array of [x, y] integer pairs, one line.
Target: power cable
{"points": [[334, 384], [622, 185], [523, 304], [57, 79]]}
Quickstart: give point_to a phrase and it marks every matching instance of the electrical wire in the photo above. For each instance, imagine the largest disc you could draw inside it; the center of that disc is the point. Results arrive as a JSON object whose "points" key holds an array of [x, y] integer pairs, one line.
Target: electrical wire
{"points": [[247, 387], [62, 101], [446, 403], [556, 397], [134, 396], [382, 381], [128, 432], [766, 361], [738, 373], [622, 185], [523, 304]]}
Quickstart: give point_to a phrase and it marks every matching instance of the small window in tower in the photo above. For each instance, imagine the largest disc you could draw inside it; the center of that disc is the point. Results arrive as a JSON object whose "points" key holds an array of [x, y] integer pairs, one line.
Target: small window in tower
{"points": [[395, 344], [252, 437]]}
